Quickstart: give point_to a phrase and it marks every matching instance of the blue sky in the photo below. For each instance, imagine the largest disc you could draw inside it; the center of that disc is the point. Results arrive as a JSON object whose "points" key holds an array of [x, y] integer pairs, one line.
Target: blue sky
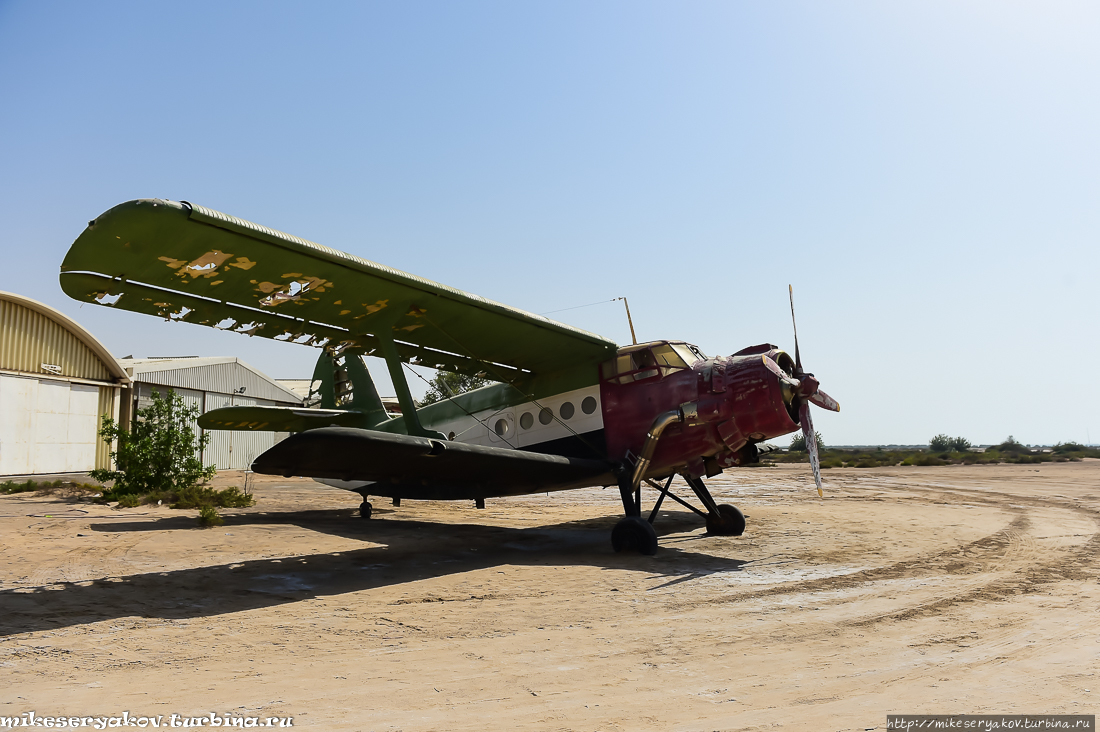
{"points": [[924, 173]]}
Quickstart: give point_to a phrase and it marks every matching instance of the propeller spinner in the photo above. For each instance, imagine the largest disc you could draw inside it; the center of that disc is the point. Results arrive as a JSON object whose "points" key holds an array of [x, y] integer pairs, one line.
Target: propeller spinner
{"points": [[807, 391]]}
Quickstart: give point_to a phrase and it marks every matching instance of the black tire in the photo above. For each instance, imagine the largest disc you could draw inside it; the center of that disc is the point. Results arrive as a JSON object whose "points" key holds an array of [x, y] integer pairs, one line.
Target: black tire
{"points": [[729, 521], [634, 534], [365, 509]]}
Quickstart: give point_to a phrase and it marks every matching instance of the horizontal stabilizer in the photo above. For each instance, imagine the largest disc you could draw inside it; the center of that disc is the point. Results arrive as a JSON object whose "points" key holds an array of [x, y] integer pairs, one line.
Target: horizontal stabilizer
{"points": [[278, 419], [423, 468]]}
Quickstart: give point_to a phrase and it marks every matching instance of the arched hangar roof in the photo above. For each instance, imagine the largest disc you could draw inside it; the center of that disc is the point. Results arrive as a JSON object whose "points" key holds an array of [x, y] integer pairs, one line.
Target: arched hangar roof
{"points": [[36, 339]]}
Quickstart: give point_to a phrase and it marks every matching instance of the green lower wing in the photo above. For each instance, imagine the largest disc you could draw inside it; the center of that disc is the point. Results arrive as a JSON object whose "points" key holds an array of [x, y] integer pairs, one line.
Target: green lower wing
{"points": [[279, 419]]}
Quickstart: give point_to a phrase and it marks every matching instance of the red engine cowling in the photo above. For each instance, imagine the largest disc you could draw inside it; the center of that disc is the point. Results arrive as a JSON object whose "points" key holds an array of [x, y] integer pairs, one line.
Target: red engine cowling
{"points": [[726, 406]]}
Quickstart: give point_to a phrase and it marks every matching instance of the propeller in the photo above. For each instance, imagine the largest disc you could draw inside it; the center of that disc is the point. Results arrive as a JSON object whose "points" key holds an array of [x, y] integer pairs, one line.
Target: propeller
{"points": [[807, 390]]}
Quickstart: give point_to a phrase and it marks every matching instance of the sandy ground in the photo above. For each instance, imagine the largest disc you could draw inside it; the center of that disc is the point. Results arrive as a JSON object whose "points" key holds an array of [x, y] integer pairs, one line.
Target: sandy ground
{"points": [[906, 590]]}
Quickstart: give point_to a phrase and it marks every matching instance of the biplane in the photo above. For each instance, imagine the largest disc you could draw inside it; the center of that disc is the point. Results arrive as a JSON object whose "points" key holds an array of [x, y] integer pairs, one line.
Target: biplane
{"points": [[566, 408]]}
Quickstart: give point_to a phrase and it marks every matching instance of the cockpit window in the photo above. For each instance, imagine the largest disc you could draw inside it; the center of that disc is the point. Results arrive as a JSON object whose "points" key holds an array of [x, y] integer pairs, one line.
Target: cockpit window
{"points": [[646, 363], [690, 354]]}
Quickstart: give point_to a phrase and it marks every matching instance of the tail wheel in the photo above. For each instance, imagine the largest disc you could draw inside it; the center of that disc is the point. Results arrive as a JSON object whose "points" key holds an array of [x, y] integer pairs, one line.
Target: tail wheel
{"points": [[634, 534], [365, 509], [728, 522]]}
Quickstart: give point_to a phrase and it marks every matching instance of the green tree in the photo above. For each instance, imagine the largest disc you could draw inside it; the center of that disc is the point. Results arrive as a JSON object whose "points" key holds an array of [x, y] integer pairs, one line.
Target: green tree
{"points": [[960, 444], [798, 443], [940, 443], [160, 451], [449, 384], [1011, 445]]}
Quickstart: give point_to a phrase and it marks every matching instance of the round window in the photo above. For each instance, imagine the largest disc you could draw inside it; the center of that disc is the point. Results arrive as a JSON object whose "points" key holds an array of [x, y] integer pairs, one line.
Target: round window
{"points": [[588, 406], [501, 427], [566, 411], [546, 416], [526, 420]]}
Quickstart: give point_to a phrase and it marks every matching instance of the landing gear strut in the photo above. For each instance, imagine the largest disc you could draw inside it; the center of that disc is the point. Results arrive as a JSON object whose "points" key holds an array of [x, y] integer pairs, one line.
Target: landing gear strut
{"points": [[722, 520], [634, 533]]}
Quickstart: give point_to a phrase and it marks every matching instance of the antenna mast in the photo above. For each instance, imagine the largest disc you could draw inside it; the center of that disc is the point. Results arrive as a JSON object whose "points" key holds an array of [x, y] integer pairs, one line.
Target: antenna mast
{"points": [[628, 320]]}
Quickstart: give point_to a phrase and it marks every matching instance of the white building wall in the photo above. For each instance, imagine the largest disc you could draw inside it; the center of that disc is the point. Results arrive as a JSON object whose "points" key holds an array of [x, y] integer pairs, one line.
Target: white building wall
{"points": [[48, 427]]}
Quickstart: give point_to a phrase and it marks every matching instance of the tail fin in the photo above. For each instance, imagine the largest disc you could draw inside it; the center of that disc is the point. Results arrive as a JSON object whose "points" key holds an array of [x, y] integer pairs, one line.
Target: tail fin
{"points": [[345, 383]]}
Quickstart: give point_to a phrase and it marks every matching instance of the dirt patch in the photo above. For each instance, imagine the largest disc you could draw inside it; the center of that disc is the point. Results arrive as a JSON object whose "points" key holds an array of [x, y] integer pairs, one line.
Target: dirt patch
{"points": [[919, 589]]}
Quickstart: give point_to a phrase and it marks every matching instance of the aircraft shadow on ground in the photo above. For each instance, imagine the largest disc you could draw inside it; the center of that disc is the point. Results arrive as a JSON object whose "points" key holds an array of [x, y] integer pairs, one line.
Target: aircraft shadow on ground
{"points": [[411, 551]]}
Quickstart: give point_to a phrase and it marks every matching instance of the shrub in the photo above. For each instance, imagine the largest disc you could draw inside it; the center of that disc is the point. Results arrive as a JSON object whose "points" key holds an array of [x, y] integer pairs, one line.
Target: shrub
{"points": [[10, 486], [209, 517], [128, 500], [158, 453], [205, 497]]}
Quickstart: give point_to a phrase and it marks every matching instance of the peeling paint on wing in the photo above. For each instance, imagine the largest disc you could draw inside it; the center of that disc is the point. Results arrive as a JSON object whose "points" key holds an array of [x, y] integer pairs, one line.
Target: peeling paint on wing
{"points": [[204, 266], [106, 298], [280, 293], [242, 263], [225, 323], [372, 309], [173, 263], [248, 328], [180, 314], [410, 328]]}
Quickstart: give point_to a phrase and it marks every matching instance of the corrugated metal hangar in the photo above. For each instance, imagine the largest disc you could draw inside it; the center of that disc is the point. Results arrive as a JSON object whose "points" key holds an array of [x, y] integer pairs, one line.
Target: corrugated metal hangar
{"points": [[210, 383], [56, 380]]}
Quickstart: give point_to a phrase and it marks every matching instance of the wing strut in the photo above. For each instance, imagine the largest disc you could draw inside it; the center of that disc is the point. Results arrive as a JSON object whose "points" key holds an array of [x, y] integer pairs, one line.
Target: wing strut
{"points": [[397, 376]]}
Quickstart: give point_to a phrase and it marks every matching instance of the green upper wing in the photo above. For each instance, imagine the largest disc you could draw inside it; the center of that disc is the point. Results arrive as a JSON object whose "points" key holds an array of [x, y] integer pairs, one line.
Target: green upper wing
{"points": [[184, 262]]}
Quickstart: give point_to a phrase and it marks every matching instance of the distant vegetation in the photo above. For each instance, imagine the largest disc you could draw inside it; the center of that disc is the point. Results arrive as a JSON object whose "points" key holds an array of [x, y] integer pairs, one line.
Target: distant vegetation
{"points": [[798, 444], [942, 450], [447, 384], [943, 443]]}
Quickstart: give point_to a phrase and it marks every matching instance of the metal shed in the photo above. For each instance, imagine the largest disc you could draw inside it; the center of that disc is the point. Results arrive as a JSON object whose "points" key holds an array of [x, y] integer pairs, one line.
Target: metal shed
{"points": [[210, 383], [56, 383]]}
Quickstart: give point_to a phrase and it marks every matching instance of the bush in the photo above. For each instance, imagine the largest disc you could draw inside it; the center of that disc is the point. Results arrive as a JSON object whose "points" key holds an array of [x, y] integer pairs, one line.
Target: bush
{"points": [[923, 460], [209, 517], [205, 497], [10, 486], [128, 500], [158, 453]]}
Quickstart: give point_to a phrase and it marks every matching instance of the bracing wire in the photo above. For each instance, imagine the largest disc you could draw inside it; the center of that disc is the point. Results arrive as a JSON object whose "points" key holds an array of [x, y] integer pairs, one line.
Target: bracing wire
{"points": [[449, 398], [511, 382]]}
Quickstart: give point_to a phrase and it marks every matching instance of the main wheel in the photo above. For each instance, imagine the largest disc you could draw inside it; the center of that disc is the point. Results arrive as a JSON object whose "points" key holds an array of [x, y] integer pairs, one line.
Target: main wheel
{"points": [[365, 509], [729, 521], [634, 534]]}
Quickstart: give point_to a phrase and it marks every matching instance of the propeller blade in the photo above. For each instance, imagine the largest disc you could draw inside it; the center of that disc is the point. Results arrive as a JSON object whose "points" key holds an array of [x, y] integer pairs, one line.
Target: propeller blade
{"points": [[825, 401], [797, 355], [811, 444], [783, 375]]}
